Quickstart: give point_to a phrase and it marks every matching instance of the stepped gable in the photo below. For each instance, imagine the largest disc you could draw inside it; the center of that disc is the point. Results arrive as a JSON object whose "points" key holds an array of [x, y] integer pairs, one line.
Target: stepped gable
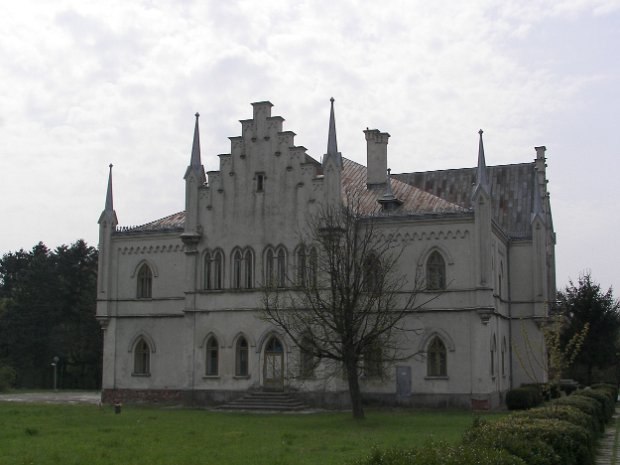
{"points": [[511, 192], [415, 200]]}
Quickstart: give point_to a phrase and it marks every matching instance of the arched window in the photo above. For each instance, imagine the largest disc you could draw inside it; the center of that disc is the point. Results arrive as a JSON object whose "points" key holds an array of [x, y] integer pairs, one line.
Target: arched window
{"points": [[435, 272], [241, 357], [437, 358], [281, 268], [493, 353], [141, 358], [248, 259], [213, 269], [145, 282], [212, 357], [237, 269]]}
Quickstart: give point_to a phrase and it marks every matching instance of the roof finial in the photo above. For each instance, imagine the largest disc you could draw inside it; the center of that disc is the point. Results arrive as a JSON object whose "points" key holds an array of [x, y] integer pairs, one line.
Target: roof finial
{"points": [[195, 161], [482, 179], [332, 144], [109, 201]]}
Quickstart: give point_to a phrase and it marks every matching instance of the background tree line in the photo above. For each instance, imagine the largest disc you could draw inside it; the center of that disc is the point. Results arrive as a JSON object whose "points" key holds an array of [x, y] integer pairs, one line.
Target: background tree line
{"points": [[47, 310]]}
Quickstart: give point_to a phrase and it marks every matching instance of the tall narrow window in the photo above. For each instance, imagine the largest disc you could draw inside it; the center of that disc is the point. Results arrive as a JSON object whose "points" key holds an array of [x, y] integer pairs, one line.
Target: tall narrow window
{"points": [[213, 270], [212, 357], [504, 357], [269, 272], [312, 268], [248, 259], [436, 363], [260, 182], [435, 272], [241, 358], [307, 360], [371, 273], [373, 361], [493, 352], [301, 266], [208, 275], [145, 282], [237, 269], [141, 358], [281, 268], [218, 269]]}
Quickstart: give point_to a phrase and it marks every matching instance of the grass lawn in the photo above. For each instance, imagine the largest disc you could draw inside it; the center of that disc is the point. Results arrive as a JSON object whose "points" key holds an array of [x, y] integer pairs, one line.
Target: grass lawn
{"points": [[89, 435]]}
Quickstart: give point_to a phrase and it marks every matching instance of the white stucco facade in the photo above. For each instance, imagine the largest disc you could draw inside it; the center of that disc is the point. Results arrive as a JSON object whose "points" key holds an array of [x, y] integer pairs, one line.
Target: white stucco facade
{"points": [[180, 298]]}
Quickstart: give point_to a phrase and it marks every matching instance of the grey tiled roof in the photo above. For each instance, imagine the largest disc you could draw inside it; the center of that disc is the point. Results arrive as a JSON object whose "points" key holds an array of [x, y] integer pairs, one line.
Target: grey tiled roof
{"points": [[174, 222], [511, 192], [415, 200]]}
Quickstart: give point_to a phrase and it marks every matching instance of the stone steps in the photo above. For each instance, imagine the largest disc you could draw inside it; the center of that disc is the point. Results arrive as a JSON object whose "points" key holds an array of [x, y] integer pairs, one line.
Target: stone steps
{"points": [[270, 401]]}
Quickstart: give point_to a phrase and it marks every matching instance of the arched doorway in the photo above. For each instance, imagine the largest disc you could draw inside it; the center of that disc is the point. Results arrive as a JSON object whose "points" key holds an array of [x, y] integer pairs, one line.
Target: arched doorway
{"points": [[273, 368]]}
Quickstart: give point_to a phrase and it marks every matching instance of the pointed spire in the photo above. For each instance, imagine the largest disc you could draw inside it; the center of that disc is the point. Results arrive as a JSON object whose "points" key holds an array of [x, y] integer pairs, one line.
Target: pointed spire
{"points": [[482, 180], [195, 160], [332, 144], [195, 163], [109, 200], [108, 215]]}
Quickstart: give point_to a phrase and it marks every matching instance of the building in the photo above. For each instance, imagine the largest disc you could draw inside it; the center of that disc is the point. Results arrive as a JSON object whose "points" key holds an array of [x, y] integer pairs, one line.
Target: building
{"points": [[180, 298]]}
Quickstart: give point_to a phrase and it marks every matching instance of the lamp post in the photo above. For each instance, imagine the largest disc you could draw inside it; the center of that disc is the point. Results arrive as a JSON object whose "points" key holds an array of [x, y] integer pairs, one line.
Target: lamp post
{"points": [[55, 365]]}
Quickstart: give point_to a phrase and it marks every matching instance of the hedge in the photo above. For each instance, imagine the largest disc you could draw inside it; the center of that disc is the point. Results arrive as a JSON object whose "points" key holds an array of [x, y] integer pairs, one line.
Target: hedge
{"points": [[603, 397], [440, 454], [523, 398], [587, 405], [567, 413]]}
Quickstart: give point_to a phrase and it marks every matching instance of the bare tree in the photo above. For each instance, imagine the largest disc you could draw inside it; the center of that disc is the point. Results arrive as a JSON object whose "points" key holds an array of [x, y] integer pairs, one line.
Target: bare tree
{"points": [[348, 304]]}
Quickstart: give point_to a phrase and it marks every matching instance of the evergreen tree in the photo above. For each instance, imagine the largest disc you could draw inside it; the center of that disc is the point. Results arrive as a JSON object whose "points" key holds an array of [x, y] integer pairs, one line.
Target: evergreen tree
{"points": [[586, 304]]}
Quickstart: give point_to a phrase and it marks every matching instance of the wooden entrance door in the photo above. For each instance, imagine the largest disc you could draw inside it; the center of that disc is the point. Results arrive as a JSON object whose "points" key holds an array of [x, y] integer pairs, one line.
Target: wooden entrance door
{"points": [[273, 369]]}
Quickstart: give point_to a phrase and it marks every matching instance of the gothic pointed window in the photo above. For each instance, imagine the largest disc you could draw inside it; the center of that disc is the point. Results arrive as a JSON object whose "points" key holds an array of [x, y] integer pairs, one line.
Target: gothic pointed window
{"points": [[435, 272], [241, 357], [141, 358], [248, 265], [371, 273], [237, 267], [437, 358], [312, 267], [213, 271], [301, 266], [504, 357], [493, 354], [373, 361], [145, 282], [212, 357], [281, 268], [269, 269], [307, 359]]}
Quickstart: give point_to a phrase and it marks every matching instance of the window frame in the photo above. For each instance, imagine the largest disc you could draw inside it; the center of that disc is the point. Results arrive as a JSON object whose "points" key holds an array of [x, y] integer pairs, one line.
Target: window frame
{"points": [[435, 271], [437, 358], [212, 354], [242, 352], [141, 358], [144, 285]]}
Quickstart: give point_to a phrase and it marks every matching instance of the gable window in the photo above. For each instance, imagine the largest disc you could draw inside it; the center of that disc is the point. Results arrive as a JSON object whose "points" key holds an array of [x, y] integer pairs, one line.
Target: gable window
{"points": [[141, 358], [241, 357], [436, 362], [435, 272], [212, 357], [213, 270], [145, 282]]}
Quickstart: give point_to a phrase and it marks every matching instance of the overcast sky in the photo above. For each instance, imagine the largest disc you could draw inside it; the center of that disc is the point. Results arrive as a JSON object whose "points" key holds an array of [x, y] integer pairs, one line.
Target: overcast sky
{"points": [[84, 84]]}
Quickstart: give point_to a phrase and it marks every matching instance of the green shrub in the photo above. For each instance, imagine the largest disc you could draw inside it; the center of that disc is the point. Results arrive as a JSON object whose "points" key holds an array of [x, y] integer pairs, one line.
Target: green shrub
{"points": [[567, 413], [602, 397], [7, 377], [536, 441], [440, 454], [533, 451], [523, 398], [587, 405], [548, 391], [612, 388]]}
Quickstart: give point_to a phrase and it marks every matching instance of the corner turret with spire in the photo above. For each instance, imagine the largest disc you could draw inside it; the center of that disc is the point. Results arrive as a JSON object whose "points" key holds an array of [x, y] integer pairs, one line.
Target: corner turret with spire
{"points": [[194, 179]]}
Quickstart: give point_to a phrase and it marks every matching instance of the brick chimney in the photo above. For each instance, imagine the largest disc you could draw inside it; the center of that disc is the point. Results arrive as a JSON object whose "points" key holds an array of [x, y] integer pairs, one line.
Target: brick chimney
{"points": [[376, 153]]}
